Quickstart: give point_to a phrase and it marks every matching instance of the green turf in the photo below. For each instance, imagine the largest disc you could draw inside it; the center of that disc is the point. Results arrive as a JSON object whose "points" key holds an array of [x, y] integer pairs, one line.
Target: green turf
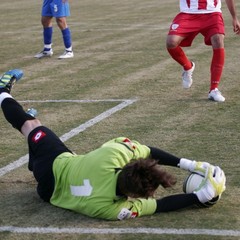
{"points": [[120, 53]]}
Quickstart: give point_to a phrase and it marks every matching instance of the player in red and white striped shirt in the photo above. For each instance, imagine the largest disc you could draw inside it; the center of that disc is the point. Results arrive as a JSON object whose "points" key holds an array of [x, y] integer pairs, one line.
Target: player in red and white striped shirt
{"points": [[205, 17]]}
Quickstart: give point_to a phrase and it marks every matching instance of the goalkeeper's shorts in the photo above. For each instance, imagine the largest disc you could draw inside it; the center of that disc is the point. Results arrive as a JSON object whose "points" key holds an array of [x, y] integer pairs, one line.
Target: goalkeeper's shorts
{"points": [[44, 147]]}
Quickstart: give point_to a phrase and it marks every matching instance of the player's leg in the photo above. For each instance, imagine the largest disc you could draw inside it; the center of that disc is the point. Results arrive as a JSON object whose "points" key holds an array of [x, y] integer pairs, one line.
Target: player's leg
{"points": [[177, 53], [174, 43], [12, 110], [46, 21], [214, 35], [63, 11], [216, 68], [44, 145], [67, 39]]}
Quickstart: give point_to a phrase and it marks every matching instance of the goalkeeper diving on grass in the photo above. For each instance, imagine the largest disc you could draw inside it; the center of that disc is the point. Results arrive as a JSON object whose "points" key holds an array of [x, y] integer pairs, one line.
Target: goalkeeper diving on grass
{"points": [[116, 181]]}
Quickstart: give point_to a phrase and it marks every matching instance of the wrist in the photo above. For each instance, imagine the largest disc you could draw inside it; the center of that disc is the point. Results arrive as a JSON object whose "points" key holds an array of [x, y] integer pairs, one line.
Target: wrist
{"points": [[186, 164], [205, 194]]}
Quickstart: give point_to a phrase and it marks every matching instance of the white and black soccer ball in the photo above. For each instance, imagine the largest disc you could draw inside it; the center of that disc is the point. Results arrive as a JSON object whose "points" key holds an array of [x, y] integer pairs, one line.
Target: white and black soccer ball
{"points": [[192, 182]]}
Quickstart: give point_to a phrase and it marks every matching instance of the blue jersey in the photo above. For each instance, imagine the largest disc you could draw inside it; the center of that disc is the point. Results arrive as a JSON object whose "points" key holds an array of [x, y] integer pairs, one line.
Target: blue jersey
{"points": [[55, 8]]}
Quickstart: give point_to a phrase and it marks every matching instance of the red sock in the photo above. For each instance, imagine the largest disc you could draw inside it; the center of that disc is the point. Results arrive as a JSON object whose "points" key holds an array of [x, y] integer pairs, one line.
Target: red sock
{"points": [[179, 56], [217, 67]]}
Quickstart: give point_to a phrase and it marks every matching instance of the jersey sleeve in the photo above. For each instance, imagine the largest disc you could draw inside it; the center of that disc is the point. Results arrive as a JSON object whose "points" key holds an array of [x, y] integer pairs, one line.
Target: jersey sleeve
{"points": [[126, 209]]}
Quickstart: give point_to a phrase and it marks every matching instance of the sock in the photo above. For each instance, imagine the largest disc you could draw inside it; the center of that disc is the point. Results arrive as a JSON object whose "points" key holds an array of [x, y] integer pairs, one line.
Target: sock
{"points": [[66, 34], [4, 90], [217, 67], [47, 38], [179, 56], [4, 95], [14, 112]]}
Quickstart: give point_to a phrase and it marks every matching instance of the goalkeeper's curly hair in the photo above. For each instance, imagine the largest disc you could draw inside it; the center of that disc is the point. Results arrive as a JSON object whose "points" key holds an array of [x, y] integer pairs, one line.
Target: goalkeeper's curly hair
{"points": [[141, 178]]}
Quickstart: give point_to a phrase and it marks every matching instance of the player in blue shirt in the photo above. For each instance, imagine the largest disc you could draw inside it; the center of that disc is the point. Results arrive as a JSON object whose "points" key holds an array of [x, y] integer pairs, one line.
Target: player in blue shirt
{"points": [[60, 10]]}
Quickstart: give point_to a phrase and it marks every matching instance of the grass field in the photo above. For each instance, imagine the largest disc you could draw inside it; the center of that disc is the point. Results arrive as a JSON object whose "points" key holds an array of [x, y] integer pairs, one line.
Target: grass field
{"points": [[120, 54]]}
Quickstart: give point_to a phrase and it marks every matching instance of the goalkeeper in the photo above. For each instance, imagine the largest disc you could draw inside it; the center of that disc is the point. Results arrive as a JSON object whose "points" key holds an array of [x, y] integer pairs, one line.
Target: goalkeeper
{"points": [[115, 181]]}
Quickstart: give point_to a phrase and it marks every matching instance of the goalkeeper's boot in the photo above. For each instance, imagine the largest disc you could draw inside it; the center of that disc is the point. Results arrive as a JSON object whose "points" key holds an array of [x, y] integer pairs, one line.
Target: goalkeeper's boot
{"points": [[8, 79]]}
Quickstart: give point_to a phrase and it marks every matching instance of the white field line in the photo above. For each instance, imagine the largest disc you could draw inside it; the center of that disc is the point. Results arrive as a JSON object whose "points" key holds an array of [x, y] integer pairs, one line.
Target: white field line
{"points": [[124, 103], [155, 231], [78, 101]]}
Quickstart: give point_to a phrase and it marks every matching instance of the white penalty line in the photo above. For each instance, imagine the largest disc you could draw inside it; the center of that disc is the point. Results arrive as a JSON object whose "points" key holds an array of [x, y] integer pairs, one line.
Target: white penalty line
{"points": [[155, 231], [79, 101], [124, 103]]}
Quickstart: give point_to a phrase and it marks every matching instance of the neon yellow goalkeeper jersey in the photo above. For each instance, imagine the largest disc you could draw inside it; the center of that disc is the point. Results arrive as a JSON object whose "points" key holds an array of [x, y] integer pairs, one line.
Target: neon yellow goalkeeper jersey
{"points": [[87, 183]]}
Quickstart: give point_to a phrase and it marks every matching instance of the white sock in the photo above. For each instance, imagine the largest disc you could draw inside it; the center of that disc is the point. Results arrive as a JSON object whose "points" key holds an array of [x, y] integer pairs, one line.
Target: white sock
{"points": [[3, 96], [48, 46], [69, 49]]}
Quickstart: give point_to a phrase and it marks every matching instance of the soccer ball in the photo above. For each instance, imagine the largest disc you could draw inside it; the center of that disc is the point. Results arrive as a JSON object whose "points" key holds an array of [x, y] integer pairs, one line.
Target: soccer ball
{"points": [[192, 182]]}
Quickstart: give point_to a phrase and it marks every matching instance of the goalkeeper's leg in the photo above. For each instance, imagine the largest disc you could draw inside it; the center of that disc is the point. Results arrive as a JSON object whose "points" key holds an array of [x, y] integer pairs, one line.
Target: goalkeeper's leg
{"points": [[12, 110], [44, 145], [16, 116]]}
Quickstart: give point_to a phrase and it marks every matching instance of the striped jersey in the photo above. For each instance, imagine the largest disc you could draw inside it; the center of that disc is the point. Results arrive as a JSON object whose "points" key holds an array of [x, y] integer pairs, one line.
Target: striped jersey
{"points": [[200, 6]]}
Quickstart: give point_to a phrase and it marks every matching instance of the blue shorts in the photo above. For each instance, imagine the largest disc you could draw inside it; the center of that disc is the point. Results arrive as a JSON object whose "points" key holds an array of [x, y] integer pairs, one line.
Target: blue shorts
{"points": [[55, 8]]}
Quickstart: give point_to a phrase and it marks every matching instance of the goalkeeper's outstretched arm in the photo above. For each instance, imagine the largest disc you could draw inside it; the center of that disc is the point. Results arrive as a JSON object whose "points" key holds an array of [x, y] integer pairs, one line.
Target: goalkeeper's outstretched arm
{"points": [[166, 158], [176, 202], [163, 157]]}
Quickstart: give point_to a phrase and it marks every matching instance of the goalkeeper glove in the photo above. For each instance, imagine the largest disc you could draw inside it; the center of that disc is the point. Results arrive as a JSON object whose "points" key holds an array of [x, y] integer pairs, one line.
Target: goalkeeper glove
{"points": [[194, 166], [212, 186]]}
